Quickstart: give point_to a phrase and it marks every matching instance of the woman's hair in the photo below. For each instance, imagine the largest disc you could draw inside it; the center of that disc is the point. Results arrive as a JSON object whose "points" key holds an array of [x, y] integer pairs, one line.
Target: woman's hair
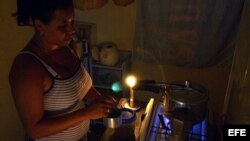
{"points": [[29, 10]]}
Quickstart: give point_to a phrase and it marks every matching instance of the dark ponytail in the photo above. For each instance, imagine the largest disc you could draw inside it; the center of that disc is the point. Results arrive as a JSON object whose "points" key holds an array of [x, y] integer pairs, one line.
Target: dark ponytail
{"points": [[23, 12], [29, 10]]}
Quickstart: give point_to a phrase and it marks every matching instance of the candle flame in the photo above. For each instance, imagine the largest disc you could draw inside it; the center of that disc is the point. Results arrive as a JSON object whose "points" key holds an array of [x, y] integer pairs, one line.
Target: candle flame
{"points": [[131, 81]]}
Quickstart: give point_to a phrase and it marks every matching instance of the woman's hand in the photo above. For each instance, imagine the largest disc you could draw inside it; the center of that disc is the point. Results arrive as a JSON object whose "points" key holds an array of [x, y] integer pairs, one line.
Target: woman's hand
{"points": [[100, 107]]}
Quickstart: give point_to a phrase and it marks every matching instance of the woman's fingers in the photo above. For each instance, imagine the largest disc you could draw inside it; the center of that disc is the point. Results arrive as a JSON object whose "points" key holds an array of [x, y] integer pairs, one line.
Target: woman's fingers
{"points": [[102, 106], [110, 100]]}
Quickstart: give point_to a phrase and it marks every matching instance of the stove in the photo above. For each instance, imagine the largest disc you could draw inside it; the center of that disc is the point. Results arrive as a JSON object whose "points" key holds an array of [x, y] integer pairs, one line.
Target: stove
{"points": [[160, 128], [154, 126]]}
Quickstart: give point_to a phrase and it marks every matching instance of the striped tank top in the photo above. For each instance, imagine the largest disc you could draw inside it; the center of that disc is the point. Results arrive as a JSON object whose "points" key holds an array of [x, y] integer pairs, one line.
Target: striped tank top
{"points": [[65, 96]]}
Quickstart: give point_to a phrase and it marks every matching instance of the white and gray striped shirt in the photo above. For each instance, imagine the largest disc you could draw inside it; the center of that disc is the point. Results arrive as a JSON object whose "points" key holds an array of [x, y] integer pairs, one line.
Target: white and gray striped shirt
{"points": [[65, 96]]}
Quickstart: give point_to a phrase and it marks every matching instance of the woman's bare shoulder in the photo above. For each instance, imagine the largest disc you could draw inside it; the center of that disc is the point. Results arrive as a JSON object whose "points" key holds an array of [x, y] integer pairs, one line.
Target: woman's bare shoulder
{"points": [[25, 63], [25, 68]]}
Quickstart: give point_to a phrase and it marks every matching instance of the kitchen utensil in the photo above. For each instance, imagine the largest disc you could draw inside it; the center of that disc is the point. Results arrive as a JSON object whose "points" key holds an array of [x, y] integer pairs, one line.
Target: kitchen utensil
{"points": [[113, 120], [118, 117], [187, 98], [179, 96], [184, 104]]}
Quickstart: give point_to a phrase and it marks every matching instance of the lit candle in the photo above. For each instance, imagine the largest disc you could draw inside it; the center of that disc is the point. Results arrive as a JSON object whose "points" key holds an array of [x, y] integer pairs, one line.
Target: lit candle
{"points": [[131, 81]]}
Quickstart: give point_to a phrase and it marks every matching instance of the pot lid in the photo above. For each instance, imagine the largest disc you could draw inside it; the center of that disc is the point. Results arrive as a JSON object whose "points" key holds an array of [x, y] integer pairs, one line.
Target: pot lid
{"points": [[188, 93], [187, 96]]}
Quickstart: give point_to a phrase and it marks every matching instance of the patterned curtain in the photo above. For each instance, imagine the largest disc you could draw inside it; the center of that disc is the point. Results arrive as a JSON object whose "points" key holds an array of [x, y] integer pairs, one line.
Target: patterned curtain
{"points": [[187, 33]]}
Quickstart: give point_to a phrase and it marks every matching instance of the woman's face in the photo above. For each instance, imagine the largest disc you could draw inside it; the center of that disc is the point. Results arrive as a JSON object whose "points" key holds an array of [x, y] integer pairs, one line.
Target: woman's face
{"points": [[60, 29]]}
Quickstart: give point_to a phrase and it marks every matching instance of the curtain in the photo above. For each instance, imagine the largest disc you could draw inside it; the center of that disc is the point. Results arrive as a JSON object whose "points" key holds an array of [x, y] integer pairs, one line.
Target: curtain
{"points": [[187, 33], [237, 106]]}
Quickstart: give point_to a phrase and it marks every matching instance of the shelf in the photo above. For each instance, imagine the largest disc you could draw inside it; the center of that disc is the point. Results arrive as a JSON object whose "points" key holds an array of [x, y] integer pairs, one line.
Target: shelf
{"points": [[124, 58], [104, 76]]}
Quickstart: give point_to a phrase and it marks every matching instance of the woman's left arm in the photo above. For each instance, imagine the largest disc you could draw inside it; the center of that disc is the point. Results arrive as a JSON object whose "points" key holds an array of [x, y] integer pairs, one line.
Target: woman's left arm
{"points": [[93, 94]]}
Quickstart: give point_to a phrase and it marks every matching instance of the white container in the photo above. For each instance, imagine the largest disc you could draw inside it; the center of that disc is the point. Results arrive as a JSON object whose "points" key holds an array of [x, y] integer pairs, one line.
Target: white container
{"points": [[109, 54]]}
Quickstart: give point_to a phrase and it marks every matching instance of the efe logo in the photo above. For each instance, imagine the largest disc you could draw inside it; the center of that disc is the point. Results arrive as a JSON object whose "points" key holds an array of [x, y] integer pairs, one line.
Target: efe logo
{"points": [[237, 132]]}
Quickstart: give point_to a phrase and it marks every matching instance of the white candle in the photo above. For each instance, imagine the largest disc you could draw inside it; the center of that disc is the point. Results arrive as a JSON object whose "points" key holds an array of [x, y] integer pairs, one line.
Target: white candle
{"points": [[131, 104], [131, 81]]}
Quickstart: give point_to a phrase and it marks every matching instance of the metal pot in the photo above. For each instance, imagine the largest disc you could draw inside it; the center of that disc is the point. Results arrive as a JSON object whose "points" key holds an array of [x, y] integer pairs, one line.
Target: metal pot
{"points": [[185, 101], [113, 120], [184, 104], [118, 117]]}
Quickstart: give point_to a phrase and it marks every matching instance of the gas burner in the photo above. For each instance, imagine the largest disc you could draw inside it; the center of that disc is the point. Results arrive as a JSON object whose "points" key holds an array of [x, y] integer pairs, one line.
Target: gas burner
{"points": [[162, 129]]}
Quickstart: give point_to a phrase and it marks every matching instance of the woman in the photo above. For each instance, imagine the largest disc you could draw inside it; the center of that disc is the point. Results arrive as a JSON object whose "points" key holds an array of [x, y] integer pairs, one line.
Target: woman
{"points": [[47, 79]]}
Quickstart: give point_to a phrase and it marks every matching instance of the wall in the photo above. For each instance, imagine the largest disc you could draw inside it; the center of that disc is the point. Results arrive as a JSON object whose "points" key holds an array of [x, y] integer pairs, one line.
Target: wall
{"points": [[12, 39], [113, 23]]}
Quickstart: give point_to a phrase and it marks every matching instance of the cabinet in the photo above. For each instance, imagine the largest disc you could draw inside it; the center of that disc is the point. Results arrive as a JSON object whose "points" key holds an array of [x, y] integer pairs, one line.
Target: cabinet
{"points": [[104, 76]]}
